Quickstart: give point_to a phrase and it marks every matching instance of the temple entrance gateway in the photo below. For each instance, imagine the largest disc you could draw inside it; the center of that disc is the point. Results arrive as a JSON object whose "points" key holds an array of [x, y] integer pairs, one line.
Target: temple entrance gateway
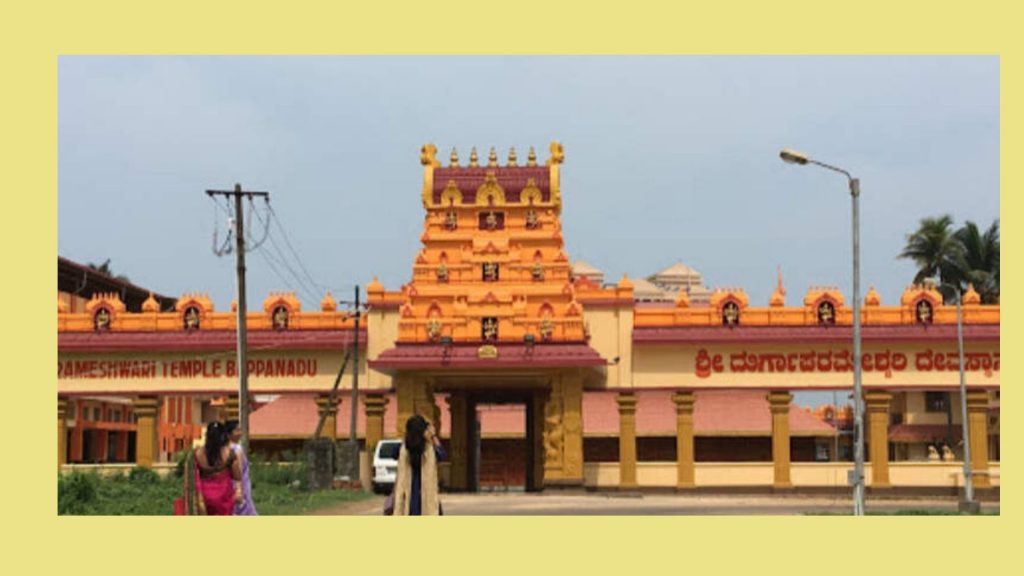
{"points": [[535, 417], [509, 456]]}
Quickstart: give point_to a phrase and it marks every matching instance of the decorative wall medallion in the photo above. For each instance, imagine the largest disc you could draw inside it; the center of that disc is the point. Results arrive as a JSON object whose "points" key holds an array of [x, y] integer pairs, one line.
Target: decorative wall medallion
{"points": [[487, 351]]}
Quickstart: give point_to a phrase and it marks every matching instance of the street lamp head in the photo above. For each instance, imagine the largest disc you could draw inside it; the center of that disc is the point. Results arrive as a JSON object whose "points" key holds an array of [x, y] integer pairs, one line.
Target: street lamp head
{"points": [[793, 157]]}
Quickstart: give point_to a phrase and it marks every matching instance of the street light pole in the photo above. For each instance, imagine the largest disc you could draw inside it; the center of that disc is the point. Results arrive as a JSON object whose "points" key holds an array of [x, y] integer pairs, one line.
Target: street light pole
{"points": [[794, 157], [968, 503], [858, 406]]}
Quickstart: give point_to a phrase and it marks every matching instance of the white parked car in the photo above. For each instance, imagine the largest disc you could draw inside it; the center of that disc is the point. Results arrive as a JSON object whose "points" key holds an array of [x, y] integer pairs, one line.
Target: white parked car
{"points": [[385, 465]]}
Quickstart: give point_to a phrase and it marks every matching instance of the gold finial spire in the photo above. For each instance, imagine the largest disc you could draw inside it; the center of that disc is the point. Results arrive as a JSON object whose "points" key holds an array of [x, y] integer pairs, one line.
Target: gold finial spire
{"points": [[512, 161], [557, 154], [492, 158], [531, 159], [473, 158], [454, 158], [428, 155]]}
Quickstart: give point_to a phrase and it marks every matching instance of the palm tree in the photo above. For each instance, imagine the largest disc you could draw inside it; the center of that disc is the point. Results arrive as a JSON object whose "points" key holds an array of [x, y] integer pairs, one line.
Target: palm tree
{"points": [[978, 263], [935, 249], [106, 270]]}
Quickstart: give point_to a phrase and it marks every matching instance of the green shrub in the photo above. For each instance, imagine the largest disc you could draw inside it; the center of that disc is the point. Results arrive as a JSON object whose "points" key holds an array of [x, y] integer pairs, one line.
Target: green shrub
{"points": [[140, 475], [76, 493]]}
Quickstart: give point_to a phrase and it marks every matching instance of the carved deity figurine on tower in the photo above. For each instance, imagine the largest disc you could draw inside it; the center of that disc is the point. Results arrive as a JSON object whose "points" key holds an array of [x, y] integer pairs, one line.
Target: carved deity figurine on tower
{"points": [[433, 329], [532, 223], [538, 271], [924, 312], [103, 319], [191, 318], [730, 314], [490, 332], [451, 220], [490, 272], [546, 328], [442, 272], [491, 221], [280, 318]]}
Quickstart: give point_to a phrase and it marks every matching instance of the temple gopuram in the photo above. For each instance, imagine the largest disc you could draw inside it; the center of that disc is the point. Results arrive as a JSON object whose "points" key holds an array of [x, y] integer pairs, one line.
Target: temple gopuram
{"points": [[540, 375]]}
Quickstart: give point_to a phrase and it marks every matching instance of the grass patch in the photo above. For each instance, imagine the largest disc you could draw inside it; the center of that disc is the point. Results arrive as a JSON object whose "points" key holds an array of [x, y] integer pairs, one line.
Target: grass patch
{"points": [[906, 512], [278, 488]]}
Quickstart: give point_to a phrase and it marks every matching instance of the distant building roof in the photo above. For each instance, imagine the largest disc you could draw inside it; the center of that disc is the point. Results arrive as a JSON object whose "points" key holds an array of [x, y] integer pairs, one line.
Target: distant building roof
{"points": [[646, 291], [678, 270], [82, 281], [581, 268], [716, 413]]}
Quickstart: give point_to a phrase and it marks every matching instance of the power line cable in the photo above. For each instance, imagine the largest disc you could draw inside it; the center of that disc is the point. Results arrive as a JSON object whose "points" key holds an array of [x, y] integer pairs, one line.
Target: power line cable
{"points": [[282, 260], [298, 259]]}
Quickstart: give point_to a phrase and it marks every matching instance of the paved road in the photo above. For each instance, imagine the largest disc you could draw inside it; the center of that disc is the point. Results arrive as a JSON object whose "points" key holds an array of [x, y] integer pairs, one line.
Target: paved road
{"points": [[555, 504]]}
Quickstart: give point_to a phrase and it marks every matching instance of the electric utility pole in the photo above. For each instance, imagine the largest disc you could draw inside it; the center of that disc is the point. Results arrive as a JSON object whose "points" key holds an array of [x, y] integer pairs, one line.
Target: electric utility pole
{"points": [[243, 373], [355, 385]]}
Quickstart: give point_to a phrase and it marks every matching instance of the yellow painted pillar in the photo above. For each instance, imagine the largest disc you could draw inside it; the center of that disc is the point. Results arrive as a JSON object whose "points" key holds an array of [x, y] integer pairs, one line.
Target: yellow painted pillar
{"points": [[778, 402], [458, 441], [62, 432], [405, 401], [329, 411], [572, 404], [147, 409], [878, 436], [563, 431], [230, 408], [539, 399], [374, 404], [685, 458], [627, 440], [977, 427]]}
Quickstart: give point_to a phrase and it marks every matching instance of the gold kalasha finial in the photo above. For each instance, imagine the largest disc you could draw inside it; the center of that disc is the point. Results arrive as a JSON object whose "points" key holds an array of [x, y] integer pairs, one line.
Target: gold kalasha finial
{"points": [[473, 158], [531, 159], [512, 157], [454, 158], [492, 158]]}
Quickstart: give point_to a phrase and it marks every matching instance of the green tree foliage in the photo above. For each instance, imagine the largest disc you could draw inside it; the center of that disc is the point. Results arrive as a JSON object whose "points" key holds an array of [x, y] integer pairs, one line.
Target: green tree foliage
{"points": [[957, 257]]}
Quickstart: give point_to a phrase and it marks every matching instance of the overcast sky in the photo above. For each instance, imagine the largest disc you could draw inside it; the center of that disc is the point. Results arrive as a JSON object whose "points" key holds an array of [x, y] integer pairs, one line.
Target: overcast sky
{"points": [[666, 159]]}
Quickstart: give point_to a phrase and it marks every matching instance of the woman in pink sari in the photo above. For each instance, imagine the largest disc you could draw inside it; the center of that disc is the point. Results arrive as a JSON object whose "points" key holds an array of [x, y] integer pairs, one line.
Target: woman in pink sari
{"points": [[218, 472]]}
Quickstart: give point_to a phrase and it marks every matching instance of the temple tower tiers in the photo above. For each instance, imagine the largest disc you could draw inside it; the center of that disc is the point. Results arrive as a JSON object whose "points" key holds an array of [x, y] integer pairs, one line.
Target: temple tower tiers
{"points": [[493, 268]]}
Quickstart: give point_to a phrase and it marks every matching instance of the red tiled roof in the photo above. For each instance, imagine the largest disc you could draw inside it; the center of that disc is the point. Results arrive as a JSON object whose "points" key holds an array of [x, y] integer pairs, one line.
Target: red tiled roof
{"points": [[726, 334], [204, 340], [715, 413], [922, 432], [512, 179]]}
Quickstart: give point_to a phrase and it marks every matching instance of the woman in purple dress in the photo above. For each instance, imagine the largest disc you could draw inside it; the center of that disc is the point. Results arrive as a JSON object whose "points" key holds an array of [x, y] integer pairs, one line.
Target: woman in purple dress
{"points": [[244, 507]]}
